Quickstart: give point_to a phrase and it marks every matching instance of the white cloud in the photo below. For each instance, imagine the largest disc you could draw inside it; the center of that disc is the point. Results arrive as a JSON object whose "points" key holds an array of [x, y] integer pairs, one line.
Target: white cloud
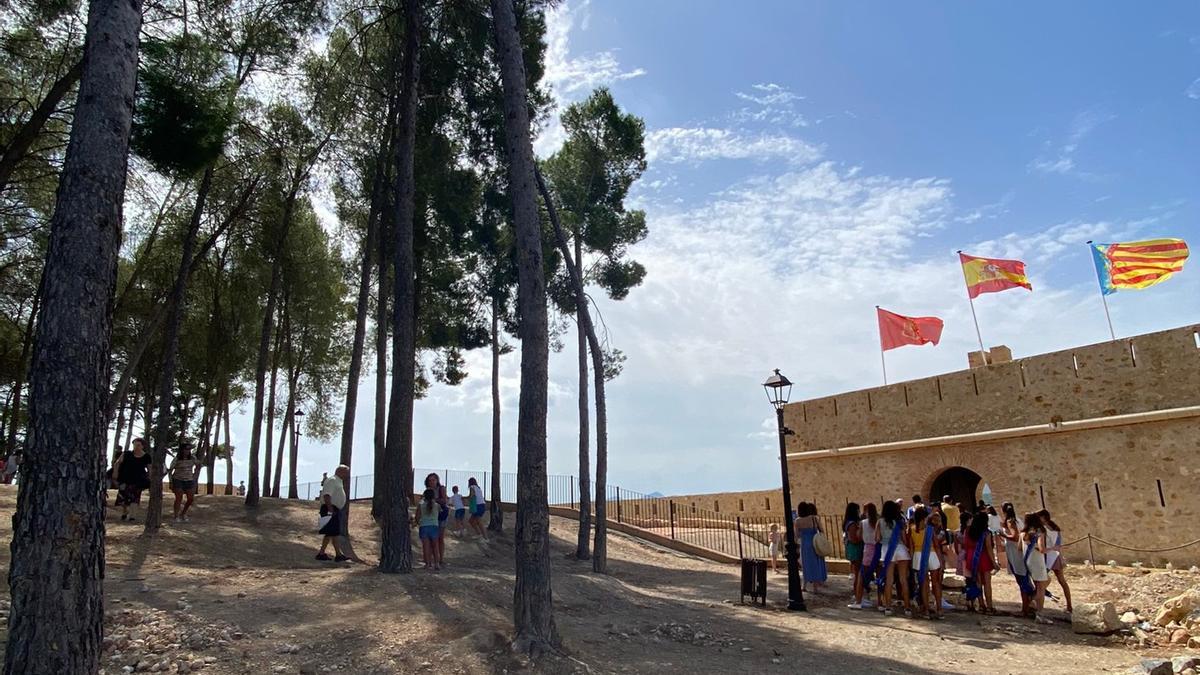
{"points": [[572, 77], [1193, 90], [772, 104], [692, 144], [1060, 158]]}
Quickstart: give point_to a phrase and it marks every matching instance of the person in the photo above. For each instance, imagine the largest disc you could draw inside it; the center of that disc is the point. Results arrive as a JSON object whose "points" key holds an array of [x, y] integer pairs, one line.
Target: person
{"points": [[1034, 538], [460, 511], [978, 562], [132, 470], [433, 481], [478, 507], [893, 537], [951, 513], [852, 541], [869, 531], [1011, 529], [774, 544], [1054, 558], [10, 467], [333, 502], [428, 529], [928, 553], [241, 489], [807, 526], [183, 472], [324, 477], [917, 503]]}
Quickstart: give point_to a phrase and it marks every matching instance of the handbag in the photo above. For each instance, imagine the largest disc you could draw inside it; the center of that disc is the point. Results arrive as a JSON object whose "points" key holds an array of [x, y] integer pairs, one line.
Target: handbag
{"points": [[322, 521], [821, 545]]}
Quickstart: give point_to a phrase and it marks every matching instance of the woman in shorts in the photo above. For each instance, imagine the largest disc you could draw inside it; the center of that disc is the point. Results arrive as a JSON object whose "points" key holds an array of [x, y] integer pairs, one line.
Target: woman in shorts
{"points": [[428, 529], [478, 507], [183, 481], [434, 482]]}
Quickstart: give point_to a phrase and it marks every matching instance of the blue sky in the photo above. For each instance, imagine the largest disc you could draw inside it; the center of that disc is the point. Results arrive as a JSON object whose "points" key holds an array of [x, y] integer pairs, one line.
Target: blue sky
{"points": [[811, 160]]}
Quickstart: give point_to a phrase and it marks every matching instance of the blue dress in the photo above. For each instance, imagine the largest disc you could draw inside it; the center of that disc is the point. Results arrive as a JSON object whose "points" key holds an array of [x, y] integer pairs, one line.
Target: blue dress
{"points": [[812, 564]]}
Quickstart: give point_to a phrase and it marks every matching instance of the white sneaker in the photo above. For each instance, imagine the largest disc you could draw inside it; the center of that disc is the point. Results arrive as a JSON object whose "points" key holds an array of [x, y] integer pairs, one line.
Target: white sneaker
{"points": [[854, 605], [867, 604], [946, 605]]}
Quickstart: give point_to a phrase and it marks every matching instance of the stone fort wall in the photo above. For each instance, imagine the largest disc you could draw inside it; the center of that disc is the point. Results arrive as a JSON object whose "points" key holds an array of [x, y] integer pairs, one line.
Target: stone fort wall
{"points": [[1134, 484]]}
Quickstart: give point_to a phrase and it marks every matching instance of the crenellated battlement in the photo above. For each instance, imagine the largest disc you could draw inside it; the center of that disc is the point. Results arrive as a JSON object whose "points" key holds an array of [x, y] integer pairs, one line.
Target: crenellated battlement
{"points": [[1155, 371]]}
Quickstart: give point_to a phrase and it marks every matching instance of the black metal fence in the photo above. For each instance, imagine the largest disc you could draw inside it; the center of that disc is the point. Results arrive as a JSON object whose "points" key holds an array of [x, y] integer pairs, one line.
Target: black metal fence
{"points": [[740, 536]]}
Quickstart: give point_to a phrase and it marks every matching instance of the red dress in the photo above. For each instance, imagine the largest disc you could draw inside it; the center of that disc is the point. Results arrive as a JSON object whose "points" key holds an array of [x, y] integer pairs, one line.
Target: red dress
{"points": [[985, 558]]}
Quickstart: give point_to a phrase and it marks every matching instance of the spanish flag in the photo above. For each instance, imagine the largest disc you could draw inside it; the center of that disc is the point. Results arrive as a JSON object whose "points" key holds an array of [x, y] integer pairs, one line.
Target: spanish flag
{"points": [[992, 275], [1137, 264]]}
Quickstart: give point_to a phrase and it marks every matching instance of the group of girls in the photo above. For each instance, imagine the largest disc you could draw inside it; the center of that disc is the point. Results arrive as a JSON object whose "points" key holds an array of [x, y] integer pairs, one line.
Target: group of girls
{"points": [[906, 558], [433, 517], [1032, 548]]}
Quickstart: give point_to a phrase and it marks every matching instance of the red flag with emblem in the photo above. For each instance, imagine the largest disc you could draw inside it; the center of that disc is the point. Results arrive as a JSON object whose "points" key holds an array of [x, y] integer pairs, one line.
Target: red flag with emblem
{"points": [[897, 330]]}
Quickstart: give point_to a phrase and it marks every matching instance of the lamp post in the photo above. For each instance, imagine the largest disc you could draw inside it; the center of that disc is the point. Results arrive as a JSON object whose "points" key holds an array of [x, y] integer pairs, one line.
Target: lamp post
{"points": [[778, 389], [297, 418]]}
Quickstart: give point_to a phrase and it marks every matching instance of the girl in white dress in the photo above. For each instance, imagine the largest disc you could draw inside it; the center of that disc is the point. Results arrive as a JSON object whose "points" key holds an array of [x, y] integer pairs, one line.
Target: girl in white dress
{"points": [[1054, 558], [1034, 549]]}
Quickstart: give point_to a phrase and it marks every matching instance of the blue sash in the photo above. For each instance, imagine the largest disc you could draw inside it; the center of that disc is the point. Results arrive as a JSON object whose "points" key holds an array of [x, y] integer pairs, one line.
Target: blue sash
{"points": [[925, 546], [881, 569], [973, 590], [1024, 582]]}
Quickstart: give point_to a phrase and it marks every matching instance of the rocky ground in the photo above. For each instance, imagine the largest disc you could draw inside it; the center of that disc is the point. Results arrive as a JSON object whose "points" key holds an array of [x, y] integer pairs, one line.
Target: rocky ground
{"points": [[238, 591]]}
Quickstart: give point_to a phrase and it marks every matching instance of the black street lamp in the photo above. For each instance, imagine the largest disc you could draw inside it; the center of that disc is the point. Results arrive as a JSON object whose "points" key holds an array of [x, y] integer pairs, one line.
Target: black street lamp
{"points": [[779, 388]]}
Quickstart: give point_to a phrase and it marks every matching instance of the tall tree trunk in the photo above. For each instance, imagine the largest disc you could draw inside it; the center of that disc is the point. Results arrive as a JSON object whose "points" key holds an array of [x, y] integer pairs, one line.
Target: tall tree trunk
{"points": [[395, 546], [264, 347], [132, 412], [600, 549], [214, 442], [289, 422], [26, 346], [229, 447], [166, 385], [533, 609], [279, 331], [294, 456], [387, 219], [120, 427], [361, 308], [57, 567], [582, 548], [496, 523], [27, 134]]}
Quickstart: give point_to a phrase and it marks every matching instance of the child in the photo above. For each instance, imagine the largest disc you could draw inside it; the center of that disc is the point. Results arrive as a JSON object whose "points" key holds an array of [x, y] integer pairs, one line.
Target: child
{"points": [[460, 511], [427, 519]]}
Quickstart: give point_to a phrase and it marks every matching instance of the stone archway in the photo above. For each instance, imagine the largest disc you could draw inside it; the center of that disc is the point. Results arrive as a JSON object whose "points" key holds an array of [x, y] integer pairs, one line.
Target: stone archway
{"points": [[961, 483]]}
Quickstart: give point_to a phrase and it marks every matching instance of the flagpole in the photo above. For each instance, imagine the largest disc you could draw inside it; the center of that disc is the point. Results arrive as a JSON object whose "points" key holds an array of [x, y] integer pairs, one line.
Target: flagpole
{"points": [[1104, 299], [882, 360], [982, 352]]}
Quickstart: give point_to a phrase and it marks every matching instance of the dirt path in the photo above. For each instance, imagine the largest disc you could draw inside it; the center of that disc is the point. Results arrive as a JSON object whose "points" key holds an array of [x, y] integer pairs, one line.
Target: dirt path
{"points": [[237, 591]]}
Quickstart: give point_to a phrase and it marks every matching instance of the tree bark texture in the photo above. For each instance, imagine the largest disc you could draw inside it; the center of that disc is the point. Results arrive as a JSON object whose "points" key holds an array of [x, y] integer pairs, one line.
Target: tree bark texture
{"points": [[533, 612], [57, 567], [228, 450], [496, 522], [600, 549], [396, 549]]}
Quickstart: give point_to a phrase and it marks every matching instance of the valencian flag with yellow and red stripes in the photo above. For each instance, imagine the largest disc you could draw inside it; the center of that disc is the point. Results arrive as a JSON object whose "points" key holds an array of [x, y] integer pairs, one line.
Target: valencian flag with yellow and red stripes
{"points": [[992, 275], [1137, 264]]}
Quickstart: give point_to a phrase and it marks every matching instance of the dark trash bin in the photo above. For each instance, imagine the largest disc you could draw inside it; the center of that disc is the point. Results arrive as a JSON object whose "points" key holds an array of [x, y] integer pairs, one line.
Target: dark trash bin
{"points": [[754, 580]]}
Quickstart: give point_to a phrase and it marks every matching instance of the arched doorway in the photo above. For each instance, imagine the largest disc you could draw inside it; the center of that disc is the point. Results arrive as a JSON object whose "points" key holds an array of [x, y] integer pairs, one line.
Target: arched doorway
{"points": [[959, 482]]}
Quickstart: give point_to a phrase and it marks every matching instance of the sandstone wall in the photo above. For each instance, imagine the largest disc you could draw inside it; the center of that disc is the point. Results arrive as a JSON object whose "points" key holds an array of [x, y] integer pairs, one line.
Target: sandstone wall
{"points": [[1127, 464], [1155, 371]]}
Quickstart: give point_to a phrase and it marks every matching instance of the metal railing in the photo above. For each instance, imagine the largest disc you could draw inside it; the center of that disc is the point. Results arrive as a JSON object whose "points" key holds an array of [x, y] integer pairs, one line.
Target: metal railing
{"points": [[734, 534]]}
